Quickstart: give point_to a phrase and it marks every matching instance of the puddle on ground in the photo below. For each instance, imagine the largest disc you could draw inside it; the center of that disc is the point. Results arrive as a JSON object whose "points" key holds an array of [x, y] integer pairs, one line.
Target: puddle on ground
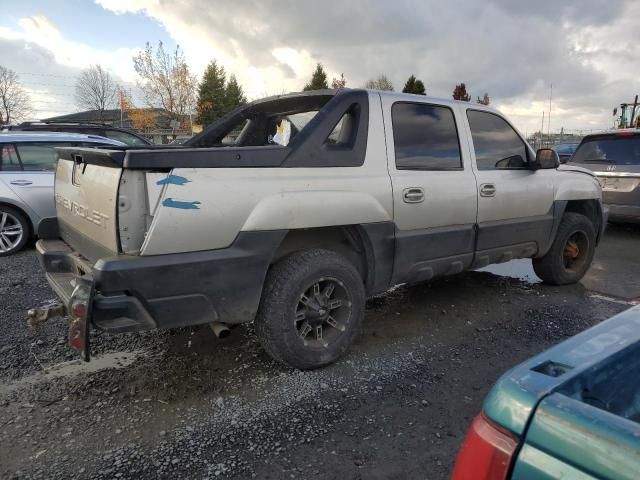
{"points": [[75, 367], [520, 269]]}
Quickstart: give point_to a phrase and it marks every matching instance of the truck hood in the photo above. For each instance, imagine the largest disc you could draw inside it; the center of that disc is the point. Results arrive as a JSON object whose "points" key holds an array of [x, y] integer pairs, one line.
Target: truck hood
{"points": [[574, 168]]}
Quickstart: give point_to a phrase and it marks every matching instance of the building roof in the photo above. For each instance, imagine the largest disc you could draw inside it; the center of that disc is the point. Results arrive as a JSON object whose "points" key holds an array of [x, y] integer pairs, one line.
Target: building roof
{"points": [[111, 116]]}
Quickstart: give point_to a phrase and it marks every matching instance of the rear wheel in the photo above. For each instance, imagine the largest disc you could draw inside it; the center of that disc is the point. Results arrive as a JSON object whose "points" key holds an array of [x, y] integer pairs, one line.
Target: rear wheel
{"points": [[571, 253], [14, 230], [311, 309]]}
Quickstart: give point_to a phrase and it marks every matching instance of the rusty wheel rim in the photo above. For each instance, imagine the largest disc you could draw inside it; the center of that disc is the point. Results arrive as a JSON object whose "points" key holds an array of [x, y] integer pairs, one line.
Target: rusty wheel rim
{"points": [[575, 252]]}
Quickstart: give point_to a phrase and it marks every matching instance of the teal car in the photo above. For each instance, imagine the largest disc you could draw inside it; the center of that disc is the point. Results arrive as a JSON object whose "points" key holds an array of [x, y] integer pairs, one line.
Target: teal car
{"points": [[572, 412]]}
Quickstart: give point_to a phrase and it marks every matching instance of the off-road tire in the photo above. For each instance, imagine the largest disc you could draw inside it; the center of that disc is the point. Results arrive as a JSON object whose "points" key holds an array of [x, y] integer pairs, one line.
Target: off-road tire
{"points": [[552, 267], [24, 223], [276, 324]]}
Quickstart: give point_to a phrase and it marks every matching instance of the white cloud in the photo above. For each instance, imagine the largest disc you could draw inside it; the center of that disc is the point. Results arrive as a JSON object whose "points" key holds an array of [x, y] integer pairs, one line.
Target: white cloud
{"points": [[39, 30]]}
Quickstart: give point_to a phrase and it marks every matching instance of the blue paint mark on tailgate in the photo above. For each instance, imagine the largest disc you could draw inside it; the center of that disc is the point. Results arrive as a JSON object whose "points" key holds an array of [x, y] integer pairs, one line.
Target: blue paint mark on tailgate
{"points": [[171, 203], [173, 180]]}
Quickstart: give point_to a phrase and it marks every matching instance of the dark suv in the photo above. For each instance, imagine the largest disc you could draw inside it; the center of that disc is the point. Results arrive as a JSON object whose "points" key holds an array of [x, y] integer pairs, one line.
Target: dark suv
{"points": [[615, 159], [115, 133]]}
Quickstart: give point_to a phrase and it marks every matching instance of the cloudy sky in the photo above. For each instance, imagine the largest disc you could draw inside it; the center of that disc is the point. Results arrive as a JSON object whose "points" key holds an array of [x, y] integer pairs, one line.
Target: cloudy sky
{"points": [[512, 49]]}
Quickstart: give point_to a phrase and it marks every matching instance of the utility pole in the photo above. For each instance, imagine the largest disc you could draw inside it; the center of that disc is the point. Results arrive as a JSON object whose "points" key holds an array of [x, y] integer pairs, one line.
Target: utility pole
{"points": [[542, 129], [549, 119]]}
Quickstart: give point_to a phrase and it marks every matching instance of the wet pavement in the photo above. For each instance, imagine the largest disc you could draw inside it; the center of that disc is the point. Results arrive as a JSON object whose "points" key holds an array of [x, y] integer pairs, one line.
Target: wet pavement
{"points": [[615, 270], [183, 404]]}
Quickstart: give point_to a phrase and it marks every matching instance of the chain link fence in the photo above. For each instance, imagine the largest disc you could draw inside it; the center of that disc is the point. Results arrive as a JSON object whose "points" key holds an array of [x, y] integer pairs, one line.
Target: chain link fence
{"points": [[545, 140]]}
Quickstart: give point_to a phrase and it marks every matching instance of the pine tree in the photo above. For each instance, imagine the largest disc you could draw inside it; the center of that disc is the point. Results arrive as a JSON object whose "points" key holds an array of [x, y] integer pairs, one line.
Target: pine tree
{"points": [[414, 86], [212, 102], [234, 96], [460, 93], [318, 79]]}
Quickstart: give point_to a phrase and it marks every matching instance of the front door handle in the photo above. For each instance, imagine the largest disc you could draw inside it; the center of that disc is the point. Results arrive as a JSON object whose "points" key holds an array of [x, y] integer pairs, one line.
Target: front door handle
{"points": [[487, 190], [413, 195], [21, 183]]}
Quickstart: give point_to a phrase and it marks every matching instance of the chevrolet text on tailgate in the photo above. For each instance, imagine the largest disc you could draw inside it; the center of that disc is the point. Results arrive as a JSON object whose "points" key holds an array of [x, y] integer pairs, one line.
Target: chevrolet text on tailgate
{"points": [[292, 210]]}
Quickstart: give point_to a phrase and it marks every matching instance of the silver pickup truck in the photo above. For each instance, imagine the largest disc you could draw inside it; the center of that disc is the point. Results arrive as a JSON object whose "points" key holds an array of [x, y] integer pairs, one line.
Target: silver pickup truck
{"points": [[292, 210]]}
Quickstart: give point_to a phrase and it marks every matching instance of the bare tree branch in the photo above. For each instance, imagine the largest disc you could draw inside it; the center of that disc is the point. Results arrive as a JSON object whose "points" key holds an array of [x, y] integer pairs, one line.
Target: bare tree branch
{"points": [[15, 103], [382, 82], [165, 80], [95, 90]]}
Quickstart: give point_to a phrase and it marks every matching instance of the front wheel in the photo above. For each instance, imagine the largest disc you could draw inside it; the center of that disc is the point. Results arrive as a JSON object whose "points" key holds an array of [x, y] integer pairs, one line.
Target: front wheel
{"points": [[571, 253], [311, 309]]}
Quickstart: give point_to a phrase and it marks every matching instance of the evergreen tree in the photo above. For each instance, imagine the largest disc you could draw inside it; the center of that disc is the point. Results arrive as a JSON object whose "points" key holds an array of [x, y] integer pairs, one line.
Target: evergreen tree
{"points": [[318, 79], [415, 86], [212, 102], [460, 93], [234, 96]]}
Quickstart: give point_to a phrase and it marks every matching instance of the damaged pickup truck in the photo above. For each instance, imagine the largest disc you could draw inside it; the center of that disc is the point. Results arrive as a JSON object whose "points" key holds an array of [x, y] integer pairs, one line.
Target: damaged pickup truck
{"points": [[292, 210]]}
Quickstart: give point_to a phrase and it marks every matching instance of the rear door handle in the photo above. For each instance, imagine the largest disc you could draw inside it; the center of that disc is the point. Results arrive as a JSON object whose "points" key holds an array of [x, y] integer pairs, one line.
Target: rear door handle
{"points": [[487, 190], [21, 183], [413, 195]]}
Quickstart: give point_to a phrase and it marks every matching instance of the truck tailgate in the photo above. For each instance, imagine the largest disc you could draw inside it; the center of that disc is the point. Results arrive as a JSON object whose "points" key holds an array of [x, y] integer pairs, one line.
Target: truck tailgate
{"points": [[86, 194], [570, 439]]}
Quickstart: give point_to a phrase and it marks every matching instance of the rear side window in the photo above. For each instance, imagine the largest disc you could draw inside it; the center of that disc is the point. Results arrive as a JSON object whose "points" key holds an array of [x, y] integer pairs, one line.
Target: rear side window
{"points": [[425, 137], [123, 137], [38, 156], [496, 143], [618, 150], [9, 161]]}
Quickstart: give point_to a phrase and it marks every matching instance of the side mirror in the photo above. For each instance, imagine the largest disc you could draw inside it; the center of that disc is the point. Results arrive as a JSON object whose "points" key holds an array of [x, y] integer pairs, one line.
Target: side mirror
{"points": [[545, 158]]}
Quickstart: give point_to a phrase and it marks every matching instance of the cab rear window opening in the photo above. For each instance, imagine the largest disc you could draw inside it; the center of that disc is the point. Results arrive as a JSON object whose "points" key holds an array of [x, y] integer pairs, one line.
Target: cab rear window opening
{"points": [[425, 137]]}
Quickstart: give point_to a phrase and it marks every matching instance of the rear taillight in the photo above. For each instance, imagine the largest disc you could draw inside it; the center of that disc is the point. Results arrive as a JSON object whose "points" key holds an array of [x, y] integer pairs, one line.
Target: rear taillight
{"points": [[486, 453], [78, 307]]}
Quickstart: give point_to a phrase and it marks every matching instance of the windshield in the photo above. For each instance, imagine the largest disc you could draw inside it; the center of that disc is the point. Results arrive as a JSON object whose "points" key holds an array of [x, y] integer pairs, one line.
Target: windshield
{"points": [[610, 150]]}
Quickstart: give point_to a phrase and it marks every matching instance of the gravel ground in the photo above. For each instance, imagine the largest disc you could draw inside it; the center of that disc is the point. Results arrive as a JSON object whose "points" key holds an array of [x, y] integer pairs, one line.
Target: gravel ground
{"points": [[183, 404]]}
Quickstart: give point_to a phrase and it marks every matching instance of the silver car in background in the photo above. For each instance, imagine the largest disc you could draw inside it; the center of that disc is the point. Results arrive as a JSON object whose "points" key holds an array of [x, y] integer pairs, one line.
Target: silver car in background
{"points": [[27, 167], [614, 157]]}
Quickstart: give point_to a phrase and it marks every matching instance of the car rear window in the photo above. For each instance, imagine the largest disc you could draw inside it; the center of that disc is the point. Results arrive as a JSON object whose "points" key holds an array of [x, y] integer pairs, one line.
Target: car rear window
{"points": [[123, 137], [619, 150]]}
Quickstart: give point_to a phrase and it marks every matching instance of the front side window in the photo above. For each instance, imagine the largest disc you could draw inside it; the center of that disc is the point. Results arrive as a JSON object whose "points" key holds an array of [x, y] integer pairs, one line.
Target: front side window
{"points": [[425, 137], [38, 156], [9, 161], [496, 143]]}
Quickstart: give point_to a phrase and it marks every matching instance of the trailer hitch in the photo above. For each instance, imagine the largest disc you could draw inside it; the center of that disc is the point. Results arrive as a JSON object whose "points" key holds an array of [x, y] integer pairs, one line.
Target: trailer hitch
{"points": [[44, 312]]}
